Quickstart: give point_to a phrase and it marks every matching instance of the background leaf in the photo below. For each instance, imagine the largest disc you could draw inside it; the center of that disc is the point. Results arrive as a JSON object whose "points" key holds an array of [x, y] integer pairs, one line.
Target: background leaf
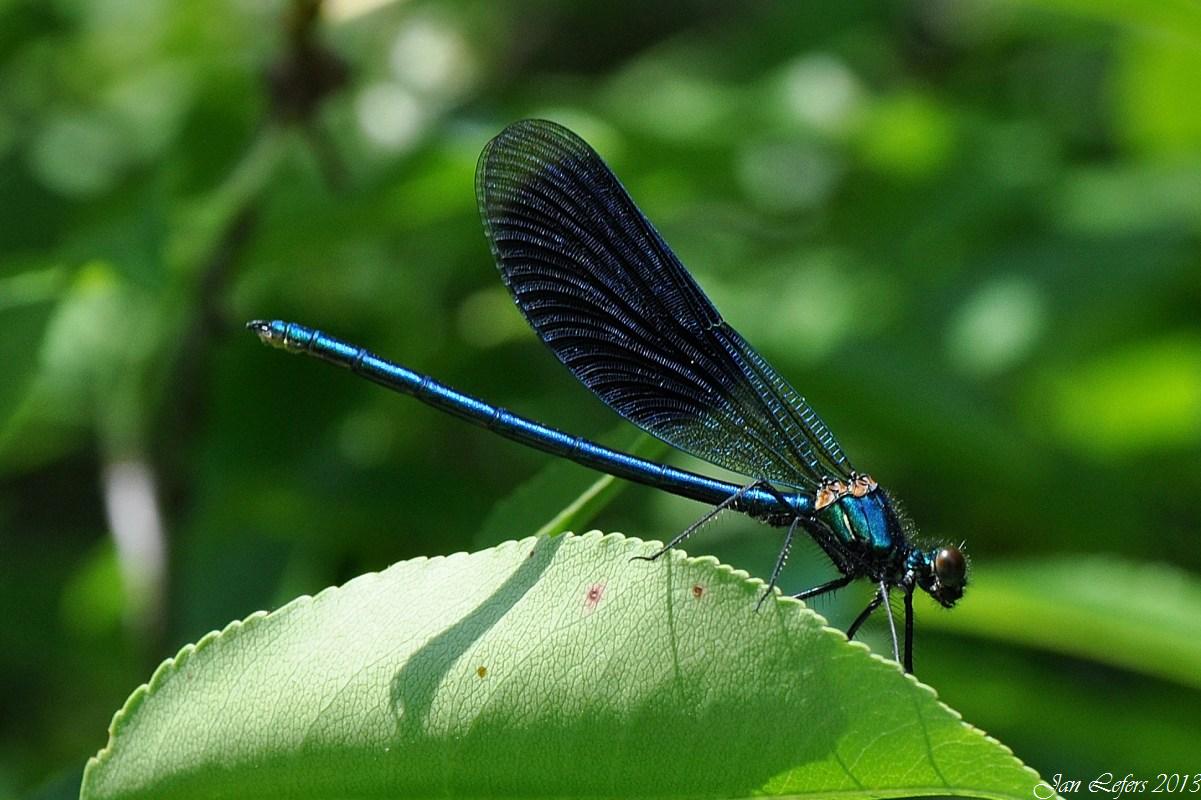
{"points": [[560, 497], [1143, 617]]}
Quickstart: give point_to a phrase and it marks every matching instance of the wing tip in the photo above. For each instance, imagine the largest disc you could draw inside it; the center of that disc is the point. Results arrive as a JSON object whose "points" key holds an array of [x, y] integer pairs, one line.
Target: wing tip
{"points": [[550, 141]]}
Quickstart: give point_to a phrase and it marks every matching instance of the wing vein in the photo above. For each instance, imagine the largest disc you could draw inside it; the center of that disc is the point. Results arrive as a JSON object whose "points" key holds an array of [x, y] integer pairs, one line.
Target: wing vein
{"points": [[604, 291]]}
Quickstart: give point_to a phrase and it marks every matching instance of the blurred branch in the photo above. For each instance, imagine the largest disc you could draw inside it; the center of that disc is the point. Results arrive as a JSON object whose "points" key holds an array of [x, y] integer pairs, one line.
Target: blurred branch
{"points": [[298, 81], [304, 75], [306, 72]]}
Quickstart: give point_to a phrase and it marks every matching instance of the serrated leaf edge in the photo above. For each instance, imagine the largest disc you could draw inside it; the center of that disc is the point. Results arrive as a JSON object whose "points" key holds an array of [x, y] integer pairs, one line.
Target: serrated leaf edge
{"points": [[172, 665]]}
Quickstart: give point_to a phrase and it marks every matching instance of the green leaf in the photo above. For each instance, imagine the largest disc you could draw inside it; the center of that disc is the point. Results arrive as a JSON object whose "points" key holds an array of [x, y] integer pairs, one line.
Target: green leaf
{"points": [[1142, 617], [551, 667]]}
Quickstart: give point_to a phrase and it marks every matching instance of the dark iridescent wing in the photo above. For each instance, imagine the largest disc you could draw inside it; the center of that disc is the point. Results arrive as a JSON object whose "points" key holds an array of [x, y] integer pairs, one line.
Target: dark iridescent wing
{"points": [[604, 291]]}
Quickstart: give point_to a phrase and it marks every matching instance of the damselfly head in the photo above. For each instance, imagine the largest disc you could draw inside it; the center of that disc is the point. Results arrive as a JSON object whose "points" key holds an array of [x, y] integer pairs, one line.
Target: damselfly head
{"points": [[943, 574]]}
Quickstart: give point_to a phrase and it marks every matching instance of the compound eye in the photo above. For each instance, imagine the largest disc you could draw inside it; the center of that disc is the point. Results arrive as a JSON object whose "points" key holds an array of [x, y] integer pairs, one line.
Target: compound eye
{"points": [[950, 566]]}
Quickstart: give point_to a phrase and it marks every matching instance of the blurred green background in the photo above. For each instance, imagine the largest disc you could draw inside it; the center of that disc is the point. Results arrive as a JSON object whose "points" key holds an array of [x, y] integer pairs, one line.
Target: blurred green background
{"points": [[967, 231]]}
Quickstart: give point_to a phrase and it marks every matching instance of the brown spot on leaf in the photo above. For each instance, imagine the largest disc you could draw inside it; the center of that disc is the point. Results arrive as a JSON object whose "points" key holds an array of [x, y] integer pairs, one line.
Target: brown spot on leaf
{"points": [[481, 670], [698, 591], [595, 592]]}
